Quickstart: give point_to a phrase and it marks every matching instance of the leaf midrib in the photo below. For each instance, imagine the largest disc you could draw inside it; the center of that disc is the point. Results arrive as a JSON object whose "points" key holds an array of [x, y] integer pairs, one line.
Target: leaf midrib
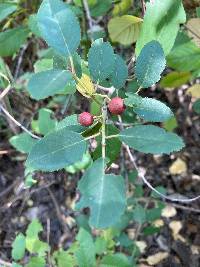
{"points": [[56, 151]]}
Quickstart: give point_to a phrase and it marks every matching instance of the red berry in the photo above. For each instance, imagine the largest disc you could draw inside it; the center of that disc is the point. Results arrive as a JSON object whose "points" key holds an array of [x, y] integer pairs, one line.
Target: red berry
{"points": [[85, 119], [116, 106]]}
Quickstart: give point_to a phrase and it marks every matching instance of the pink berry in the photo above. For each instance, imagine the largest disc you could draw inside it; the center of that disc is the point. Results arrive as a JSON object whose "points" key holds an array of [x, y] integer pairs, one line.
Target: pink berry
{"points": [[85, 119], [116, 106]]}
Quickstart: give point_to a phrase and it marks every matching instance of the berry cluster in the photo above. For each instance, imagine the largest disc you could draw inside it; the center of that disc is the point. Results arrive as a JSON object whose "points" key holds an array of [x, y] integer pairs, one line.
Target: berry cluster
{"points": [[116, 107]]}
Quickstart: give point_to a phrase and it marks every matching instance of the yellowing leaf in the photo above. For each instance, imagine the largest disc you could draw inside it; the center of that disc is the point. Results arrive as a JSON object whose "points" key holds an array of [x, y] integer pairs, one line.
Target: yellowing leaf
{"points": [[194, 91], [168, 211], [124, 29], [193, 26], [175, 79], [178, 166], [122, 7], [85, 86], [153, 260]]}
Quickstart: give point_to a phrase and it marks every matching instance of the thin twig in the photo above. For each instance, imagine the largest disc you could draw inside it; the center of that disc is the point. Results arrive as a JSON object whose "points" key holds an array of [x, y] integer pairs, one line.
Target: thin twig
{"points": [[48, 240], [58, 211], [103, 129], [109, 90], [17, 123], [19, 61], [7, 89], [121, 126], [177, 206], [190, 209], [88, 15], [143, 7], [154, 189]]}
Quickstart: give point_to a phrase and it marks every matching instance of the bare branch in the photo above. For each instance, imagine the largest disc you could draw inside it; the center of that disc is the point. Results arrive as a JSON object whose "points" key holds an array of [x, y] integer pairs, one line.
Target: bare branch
{"points": [[17, 123], [183, 200], [89, 18]]}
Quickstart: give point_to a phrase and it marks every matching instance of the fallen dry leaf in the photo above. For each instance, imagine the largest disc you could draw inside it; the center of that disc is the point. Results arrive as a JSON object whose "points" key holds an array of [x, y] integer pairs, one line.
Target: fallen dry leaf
{"points": [[156, 258], [158, 223], [176, 227], [194, 91], [195, 250], [141, 245], [169, 211], [193, 26], [178, 167]]}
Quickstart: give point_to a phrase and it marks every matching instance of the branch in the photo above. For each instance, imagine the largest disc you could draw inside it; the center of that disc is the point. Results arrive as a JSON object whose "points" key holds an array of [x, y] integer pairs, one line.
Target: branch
{"points": [[143, 7], [154, 189], [20, 59], [7, 89], [103, 129], [89, 18], [17, 123]]}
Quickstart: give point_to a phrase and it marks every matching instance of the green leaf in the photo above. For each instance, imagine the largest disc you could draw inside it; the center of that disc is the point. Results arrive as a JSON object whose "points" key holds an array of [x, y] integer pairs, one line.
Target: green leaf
{"points": [[49, 83], [151, 139], [100, 245], [60, 62], [161, 23], [198, 12], [117, 259], [59, 26], [150, 64], [14, 265], [71, 123], [150, 230], [105, 208], [30, 181], [175, 79], [101, 60], [23, 142], [45, 123], [34, 229], [80, 165], [57, 150], [170, 124], [11, 40], [6, 9], [36, 262], [120, 73], [18, 247], [122, 7], [33, 25], [181, 56], [33, 244], [139, 214], [63, 259], [148, 109], [124, 30], [196, 106], [85, 254], [113, 145], [43, 65], [125, 241], [101, 7], [153, 214]]}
